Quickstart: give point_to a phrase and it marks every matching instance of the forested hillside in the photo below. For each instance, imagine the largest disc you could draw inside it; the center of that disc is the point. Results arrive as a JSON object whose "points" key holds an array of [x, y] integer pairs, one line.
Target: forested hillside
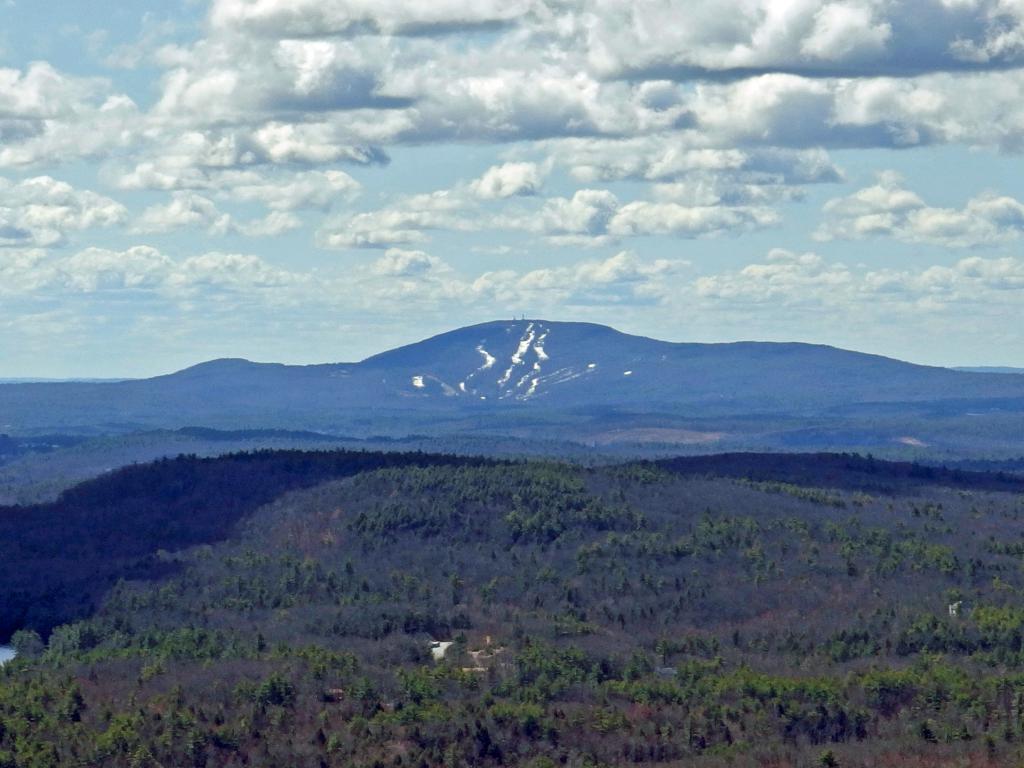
{"points": [[58, 559], [738, 610]]}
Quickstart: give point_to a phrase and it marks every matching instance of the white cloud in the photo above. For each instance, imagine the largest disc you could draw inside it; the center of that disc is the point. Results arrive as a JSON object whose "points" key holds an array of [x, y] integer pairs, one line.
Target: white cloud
{"points": [[686, 173], [846, 31], [588, 213], [312, 83], [403, 223], [142, 269], [300, 18], [41, 210], [273, 224], [786, 278], [772, 109], [232, 78], [48, 116], [815, 37], [41, 92], [655, 158], [887, 209], [191, 210], [320, 142], [186, 209], [591, 217], [232, 271], [1004, 32], [220, 160], [622, 279], [96, 269], [783, 278], [508, 180], [395, 279], [310, 189], [647, 218], [597, 216], [22, 270], [614, 38], [325, 82], [973, 280], [397, 262]]}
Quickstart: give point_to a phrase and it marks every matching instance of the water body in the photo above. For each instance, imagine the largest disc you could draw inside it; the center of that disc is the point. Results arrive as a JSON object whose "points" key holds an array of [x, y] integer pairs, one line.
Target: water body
{"points": [[6, 654]]}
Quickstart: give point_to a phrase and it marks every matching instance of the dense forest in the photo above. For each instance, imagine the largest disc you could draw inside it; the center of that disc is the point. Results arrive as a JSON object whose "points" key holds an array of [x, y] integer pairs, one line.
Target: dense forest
{"points": [[363, 609], [57, 559]]}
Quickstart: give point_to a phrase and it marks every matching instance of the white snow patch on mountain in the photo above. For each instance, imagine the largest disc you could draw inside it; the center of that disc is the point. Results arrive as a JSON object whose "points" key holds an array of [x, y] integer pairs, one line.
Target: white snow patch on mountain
{"points": [[517, 359], [568, 378], [417, 381], [524, 345], [627, 373], [561, 376], [489, 359], [539, 347], [506, 376]]}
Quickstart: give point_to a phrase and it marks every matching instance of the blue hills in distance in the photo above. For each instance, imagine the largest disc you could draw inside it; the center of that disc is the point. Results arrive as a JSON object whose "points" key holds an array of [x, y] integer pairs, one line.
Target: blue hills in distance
{"points": [[539, 378], [989, 369]]}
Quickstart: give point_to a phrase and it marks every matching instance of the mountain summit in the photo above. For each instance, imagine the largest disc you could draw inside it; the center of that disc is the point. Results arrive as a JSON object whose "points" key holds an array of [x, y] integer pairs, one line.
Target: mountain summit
{"points": [[544, 362], [532, 377]]}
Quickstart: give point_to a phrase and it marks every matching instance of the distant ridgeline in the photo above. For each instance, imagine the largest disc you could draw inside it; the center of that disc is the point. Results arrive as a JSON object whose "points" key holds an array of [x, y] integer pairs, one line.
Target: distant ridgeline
{"points": [[568, 381], [345, 608]]}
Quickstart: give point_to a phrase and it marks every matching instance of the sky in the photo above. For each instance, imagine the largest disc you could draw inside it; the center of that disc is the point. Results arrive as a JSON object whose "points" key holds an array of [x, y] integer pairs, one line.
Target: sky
{"points": [[309, 181]]}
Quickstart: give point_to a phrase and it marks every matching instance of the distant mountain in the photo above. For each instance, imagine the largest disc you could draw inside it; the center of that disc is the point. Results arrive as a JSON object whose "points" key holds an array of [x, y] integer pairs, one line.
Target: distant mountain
{"points": [[990, 369], [540, 378], [30, 380], [580, 364]]}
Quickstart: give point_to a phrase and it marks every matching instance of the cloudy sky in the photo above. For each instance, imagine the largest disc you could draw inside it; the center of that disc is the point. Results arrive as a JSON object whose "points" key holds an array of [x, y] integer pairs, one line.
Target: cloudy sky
{"points": [[317, 180]]}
